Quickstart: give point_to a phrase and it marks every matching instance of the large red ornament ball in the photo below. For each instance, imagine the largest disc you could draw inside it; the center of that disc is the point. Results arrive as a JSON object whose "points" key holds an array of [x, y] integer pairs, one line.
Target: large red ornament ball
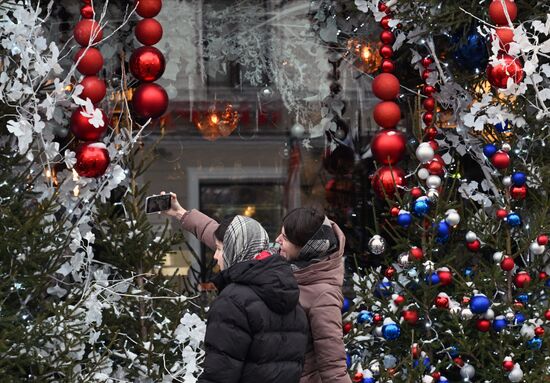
{"points": [[386, 51], [416, 253], [150, 101], [501, 213], [92, 159], [385, 86], [347, 327], [483, 325], [539, 331], [542, 240], [387, 180], [500, 160], [94, 89], [474, 246], [87, 32], [507, 263], [83, 129], [387, 37], [508, 365], [498, 14], [388, 146], [387, 114], [428, 118], [148, 8], [442, 302], [518, 192], [499, 74], [429, 104], [387, 66], [147, 64], [436, 166], [91, 61], [547, 314], [410, 316], [522, 279], [148, 31], [445, 277], [416, 192]]}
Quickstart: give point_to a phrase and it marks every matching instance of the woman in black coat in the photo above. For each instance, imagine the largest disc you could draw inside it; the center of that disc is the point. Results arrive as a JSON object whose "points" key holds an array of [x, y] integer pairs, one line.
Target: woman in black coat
{"points": [[256, 330]]}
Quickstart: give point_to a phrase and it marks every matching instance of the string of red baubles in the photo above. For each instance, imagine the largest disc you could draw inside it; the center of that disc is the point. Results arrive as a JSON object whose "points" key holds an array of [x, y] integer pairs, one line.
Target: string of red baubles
{"points": [[388, 145], [147, 63], [92, 157]]}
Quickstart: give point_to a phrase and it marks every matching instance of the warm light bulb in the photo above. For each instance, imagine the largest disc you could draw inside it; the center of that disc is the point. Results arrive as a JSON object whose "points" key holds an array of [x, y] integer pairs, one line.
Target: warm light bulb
{"points": [[214, 118]]}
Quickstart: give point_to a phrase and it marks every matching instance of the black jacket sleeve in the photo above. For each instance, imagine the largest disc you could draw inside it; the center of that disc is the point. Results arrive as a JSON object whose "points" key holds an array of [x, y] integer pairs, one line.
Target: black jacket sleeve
{"points": [[227, 341]]}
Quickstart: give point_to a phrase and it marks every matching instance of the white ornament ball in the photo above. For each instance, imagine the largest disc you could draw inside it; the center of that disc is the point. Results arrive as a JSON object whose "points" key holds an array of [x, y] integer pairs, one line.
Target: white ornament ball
{"points": [[466, 314], [404, 259], [433, 182], [425, 152], [536, 249], [507, 181], [375, 365], [423, 173], [516, 375], [497, 257], [390, 361], [452, 218], [432, 194], [297, 130], [489, 314], [427, 379], [467, 371], [510, 316], [378, 332], [471, 236], [506, 147]]}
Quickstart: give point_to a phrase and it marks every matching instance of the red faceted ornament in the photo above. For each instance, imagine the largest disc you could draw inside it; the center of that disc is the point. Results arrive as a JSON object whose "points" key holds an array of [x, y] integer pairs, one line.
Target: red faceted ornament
{"points": [[542, 240], [347, 327], [410, 316], [147, 64], [507, 263], [82, 128], [505, 36], [385, 86], [522, 279], [499, 74], [91, 61], [518, 192], [429, 104], [508, 365], [427, 61], [150, 101], [501, 213], [442, 302], [387, 37], [498, 14], [388, 146], [416, 192], [87, 32], [94, 89], [87, 11], [539, 331], [547, 314], [92, 159], [416, 253], [148, 31], [388, 66], [148, 8], [500, 160], [483, 325], [386, 51], [386, 181], [445, 277], [474, 246], [387, 114], [428, 118]]}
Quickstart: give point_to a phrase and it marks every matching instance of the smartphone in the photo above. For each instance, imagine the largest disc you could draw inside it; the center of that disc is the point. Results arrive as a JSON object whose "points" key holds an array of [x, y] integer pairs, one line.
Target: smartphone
{"points": [[156, 203]]}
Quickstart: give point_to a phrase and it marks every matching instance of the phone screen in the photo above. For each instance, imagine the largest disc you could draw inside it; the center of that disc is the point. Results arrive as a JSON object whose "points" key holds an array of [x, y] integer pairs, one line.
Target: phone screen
{"points": [[157, 203]]}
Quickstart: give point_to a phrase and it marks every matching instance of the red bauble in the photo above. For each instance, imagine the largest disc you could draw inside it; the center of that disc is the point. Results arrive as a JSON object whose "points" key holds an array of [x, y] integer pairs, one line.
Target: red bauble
{"points": [[388, 146], [399, 300], [428, 90], [382, 7], [505, 36], [385, 86], [474, 246], [498, 14], [410, 316], [394, 211], [150, 101], [501, 213], [442, 302], [542, 240], [390, 272], [507, 263], [416, 351], [427, 61], [511, 69], [429, 104], [522, 279], [387, 114], [500, 160], [148, 31], [416, 253], [347, 327], [386, 51], [85, 30], [83, 129], [387, 37], [87, 11], [91, 61], [539, 331], [387, 66], [445, 277], [543, 275], [426, 74], [458, 361], [436, 166], [547, 314], [94, 89], [436, 375], [387, 180], [147, 64], [428, 118], [92, 159], [430, 134], [358, 377], [518, 192], [434, 145], [416, 192], [508, 365], [483, 325], [377, 318], [385, 22], [148, 8]]}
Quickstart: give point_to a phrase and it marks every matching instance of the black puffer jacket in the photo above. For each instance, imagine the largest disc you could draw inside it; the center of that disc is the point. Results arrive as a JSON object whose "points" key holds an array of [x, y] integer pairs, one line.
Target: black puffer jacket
{"points": [[256, 330]]}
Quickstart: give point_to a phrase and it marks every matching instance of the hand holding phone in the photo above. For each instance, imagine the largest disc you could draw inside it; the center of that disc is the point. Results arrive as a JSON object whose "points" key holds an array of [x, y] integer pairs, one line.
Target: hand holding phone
{"points": [[157, 203]]}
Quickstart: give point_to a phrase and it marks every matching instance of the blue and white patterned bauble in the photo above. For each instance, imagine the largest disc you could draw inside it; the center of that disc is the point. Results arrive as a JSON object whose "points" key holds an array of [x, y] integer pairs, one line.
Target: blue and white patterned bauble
{"points": [[479, 304]]}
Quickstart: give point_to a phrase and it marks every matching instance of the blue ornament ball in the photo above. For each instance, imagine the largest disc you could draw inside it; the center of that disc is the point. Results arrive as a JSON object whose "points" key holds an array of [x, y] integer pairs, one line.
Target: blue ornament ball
{"points": [[348, 360], [523, 298], [489, 150], [443, 229], [432, 279], [479, 304], [369, 380], [383, 289], [547, 283], [453, 351], [513, 219], [421, 206], [535, 343], [519, 318], [502, 127], [443, 380], [404, 220], [391, 331], [471, 54], [346, 305], [499, 323], [468, 272], [519, 178], [427, 363], [364, 316]]}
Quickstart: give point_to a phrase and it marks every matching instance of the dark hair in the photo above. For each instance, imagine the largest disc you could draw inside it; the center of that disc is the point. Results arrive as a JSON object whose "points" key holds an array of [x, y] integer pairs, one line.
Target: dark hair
{"points": [[301, 223], [224, 224]]}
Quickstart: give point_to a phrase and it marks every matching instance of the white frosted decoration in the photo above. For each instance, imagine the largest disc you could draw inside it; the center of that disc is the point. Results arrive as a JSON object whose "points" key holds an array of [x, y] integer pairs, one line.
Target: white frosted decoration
{"points": [[423, 173], [424, 152], [536, 249], [433, 182], [510, 316], [506, 147], [471, 237], [507, 181], [466, 314], [497, 257], [452, 218], [489, 314], [378, 332], [467, 371], [516, 375]]}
